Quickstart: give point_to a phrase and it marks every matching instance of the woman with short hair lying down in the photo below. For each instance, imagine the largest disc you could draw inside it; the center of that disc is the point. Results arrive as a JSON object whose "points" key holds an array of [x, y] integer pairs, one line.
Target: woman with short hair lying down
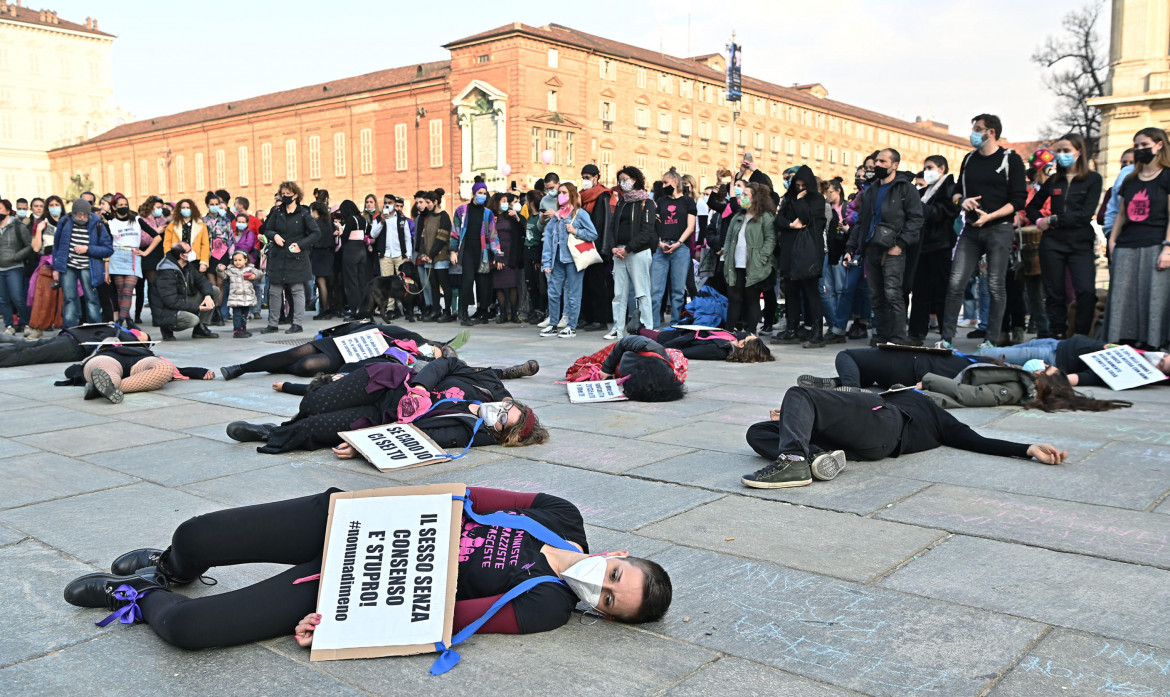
{"points": [[955, 380], [383, 393], [809, 435], [712, 344], [648, 371], [321, 355], [293, 532]]}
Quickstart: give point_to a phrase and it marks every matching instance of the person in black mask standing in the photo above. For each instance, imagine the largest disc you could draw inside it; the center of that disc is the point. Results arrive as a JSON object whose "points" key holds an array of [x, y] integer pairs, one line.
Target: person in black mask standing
{"points": [[292, 232], [475, 247], [802, 213]]}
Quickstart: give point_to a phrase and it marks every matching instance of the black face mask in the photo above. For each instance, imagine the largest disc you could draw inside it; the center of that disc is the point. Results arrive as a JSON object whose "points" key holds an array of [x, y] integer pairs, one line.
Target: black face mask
{"points": [[715, 203], [859, 182], [123, 211], [285, 200], [869, 174], [668, 191], [879, 173], [1143, 156]]}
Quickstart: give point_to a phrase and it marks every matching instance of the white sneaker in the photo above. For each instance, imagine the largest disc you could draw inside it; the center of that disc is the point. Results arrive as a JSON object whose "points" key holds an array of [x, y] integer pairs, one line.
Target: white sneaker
{"points": [[544, 322], [563, 323], [612, 335], [548, 331], [36, 334], [10, 330], [567, 333]]}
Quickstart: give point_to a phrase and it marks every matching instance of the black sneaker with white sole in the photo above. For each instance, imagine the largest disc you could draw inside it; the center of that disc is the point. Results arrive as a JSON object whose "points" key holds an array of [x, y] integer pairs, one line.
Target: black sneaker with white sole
{"points": [[785, 472], [828, 465], [819, 383]]}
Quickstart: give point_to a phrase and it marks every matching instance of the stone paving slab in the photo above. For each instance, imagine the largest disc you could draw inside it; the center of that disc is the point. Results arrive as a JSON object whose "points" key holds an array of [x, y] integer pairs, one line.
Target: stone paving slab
{"points": [[589, 659], [848, 547], [8, 536], [285, 480], [33, 576], [46, 418], [10, 403], [87, 440], [1097, 531], [1094, 595], [1071, 425], [192, 414], [609, 422], [667, 410], [40, 388], [45, 476], [606, 540], [143, 665], [135, 401], [860, 489], [619, 504], [1079, 665], [863, 638], [188, 460], [733, 676], [10, 448], [707, 435], [98, 527], [250, 398], [594, 451], [1084, 481]]}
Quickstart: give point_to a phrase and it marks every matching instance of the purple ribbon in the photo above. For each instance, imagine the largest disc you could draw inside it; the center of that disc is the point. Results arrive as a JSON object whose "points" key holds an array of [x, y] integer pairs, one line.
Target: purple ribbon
{"points": [[131, 613]]}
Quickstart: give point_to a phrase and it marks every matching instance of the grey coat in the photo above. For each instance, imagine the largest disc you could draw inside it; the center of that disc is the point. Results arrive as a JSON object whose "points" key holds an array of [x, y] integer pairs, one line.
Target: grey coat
{"points": [[15, 243]]}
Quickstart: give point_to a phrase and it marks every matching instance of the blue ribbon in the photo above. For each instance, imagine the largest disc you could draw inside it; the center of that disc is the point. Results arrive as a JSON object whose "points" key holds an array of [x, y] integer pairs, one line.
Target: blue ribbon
{"points": [[131, 613], [474, 430], [515, 521]]}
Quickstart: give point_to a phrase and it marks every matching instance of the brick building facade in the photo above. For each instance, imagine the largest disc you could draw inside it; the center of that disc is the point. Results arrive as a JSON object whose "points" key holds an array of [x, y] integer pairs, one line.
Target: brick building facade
{"points": [[504, 98]]}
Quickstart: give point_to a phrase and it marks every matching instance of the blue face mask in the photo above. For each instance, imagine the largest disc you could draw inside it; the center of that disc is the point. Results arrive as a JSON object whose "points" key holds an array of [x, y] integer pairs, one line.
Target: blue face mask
{"points": [[1066, 159], [158, 212], [479, 199], [55, 211], [185, 212], [241, 226], [977, 139]]}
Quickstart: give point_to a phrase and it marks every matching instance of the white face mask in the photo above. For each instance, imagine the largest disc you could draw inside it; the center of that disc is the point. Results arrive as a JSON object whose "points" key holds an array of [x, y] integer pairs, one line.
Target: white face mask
{"points": [[492, 412], [517, 207], [930, 176], [586, 184], [586, 578], [191, 256], [387, 210]]}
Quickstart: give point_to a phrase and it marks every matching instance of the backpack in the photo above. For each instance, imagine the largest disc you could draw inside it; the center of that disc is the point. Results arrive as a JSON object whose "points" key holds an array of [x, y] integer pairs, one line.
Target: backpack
{"points": [[708, 308]]}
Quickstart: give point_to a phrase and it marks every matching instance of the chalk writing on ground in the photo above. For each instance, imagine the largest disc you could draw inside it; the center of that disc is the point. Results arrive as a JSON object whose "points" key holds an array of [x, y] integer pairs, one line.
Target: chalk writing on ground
{"points": [[1108, 681]]}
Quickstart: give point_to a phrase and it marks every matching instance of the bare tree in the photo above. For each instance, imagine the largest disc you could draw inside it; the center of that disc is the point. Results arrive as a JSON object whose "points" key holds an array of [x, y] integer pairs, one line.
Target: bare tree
{"points": [[1075, 67]]}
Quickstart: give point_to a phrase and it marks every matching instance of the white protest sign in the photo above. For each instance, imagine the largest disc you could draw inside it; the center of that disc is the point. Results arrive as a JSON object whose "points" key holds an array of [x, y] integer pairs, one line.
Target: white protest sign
{"points": [[696, 327], [394, 446], [1121, 367], [388, 575], [595, 391], [360, 346]]}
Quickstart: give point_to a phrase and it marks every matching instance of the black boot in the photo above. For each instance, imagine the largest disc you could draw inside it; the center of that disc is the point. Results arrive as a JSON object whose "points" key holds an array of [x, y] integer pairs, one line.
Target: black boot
{"points": [[817, 340], [523, 370], [464, 320], [98, 590], [445, 317], [202, 332], [167, 334], [245, 432], [231, 372]]}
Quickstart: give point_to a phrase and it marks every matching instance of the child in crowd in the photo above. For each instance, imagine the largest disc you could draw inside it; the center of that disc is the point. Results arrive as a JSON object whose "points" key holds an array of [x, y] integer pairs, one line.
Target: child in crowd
{"points": [[241, 291]]}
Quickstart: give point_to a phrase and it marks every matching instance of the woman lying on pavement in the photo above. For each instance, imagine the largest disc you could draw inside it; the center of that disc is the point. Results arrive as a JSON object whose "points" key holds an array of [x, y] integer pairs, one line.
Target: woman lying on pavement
{"points": [[956, 380], [448, 400], [809, 435], [321, 355], [1065, 355], [618, 586], [712, 344], [72, 344], [648, 371], [114, 371]]}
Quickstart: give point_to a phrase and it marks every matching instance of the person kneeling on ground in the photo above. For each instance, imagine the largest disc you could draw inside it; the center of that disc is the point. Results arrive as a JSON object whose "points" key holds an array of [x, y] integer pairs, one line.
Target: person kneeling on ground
{"points": [[181, 297], [954, 380], [72, 344], [384, 393], [713, 344], [808, 436], [321, 355], [114, 371], [293, 532]]}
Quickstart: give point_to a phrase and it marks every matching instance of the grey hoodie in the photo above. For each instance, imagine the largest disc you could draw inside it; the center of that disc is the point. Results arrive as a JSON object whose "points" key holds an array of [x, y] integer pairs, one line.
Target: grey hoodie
{"points": [[15, 243]]}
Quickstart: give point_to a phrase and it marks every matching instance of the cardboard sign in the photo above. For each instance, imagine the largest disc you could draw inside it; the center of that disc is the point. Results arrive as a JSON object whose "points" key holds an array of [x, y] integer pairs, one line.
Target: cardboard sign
{"points": [[697, 328], [596, 391], [394, 446], [360, 346], [1121, 367], [388, 572], [916, 349]]}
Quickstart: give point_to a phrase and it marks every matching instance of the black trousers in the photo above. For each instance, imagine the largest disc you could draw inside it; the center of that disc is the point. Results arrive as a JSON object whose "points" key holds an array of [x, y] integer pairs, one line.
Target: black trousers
{"points": [[325, 411], [798, 295], [16, 351], [440, 279], [304, 361], [743, 303], [355, 268], [1015, 313], [596, 295], [771, 301], [537, 283], [886, 274], [285, 532], [873, 366], [477, 284], [930, 290], [1055, 262], [814, 421]]}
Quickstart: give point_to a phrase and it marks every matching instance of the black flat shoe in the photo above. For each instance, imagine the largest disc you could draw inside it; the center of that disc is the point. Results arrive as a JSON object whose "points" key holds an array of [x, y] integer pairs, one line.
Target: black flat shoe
{"points": [[97, 590], [131, 563], [231, 372], [245, 432]]}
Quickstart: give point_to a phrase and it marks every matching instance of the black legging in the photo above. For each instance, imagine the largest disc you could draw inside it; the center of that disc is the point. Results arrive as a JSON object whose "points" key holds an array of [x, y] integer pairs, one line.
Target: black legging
{"points": [[743, 303], [440, 279], [872, 366], [482, 285], [326, 411], [355, 268], [799, 294], [303, 361], [537, 284], [284, 532]]}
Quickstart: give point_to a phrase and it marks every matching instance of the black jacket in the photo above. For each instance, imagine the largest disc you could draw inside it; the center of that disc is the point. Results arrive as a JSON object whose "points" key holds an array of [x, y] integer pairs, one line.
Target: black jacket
{"points": [[901, 210], [938, 218], [696, 349], [380, 240], [285, 266], [1074, 205], [482, 384], [171, 288], [809, 210], [644, 233], [927, 426]]}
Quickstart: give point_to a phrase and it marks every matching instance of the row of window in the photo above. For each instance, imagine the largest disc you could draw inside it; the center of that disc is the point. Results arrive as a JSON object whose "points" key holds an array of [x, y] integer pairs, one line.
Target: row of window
{"points": [[553, 140], [66, 63]]}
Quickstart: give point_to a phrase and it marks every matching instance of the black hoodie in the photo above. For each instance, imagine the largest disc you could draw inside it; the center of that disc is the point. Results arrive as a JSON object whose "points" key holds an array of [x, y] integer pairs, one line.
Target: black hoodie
{"points": [[809, 209]]}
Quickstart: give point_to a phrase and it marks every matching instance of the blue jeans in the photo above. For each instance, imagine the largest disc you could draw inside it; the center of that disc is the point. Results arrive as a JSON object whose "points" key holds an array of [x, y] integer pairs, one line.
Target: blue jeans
{"points": [[12, 293], [1044, 349], [995, 241], [675, 266], [564, 284], [239, 318], [854, 294], [631, 277], [832, 288], [72, 314]]}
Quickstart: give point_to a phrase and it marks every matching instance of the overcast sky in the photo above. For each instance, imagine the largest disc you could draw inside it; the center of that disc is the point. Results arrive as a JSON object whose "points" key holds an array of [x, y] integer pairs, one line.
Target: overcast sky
{"points": [[941, 59]]}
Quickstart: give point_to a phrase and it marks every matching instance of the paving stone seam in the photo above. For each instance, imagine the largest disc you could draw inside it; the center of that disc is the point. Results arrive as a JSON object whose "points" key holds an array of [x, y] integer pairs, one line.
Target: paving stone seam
{"points": [[891, 504], [58, 649], [879, 577], [1157, 502], [719, 655], [1007, 670], [678, 513], [501, 450], [77, 493], [315, 667]]}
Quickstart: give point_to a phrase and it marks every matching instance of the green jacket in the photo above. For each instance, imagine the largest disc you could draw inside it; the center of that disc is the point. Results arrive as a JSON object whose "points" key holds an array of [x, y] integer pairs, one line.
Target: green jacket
{"points": [[981, 385], [761, 246]]}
